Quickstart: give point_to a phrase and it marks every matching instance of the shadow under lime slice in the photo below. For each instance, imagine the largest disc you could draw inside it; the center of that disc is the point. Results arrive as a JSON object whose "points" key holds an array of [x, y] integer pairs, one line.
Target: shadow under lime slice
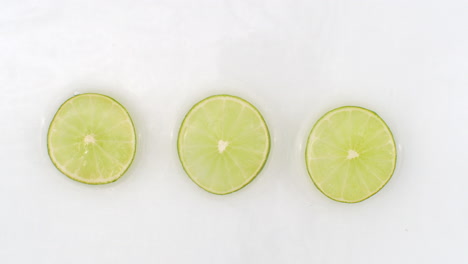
{"points": [[92, 139], [223, 143], [350, 154]]}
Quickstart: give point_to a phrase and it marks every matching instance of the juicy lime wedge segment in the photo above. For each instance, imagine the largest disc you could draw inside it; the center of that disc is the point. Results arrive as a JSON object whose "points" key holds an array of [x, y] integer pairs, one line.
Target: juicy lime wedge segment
{"points": [[350, 154], [92, 139], [223, 143]]}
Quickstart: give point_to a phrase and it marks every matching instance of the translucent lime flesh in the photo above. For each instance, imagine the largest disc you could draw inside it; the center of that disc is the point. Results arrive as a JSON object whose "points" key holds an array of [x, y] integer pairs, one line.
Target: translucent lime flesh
{"points": [[92, 139], [350, 154], [223, 143]]}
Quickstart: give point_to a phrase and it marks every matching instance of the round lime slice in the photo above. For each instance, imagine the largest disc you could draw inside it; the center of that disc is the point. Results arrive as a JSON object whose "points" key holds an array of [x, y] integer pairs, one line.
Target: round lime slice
{"points": [[350, 154], [92, 139], [223, 143]]}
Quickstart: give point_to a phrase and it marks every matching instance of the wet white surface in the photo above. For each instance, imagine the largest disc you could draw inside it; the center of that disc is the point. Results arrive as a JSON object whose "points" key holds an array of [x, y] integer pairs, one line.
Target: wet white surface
{"points": [[294, 60]]}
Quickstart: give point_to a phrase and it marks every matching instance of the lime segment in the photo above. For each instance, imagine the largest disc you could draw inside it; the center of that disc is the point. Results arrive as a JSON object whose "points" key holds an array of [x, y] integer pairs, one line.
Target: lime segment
{"points": [[350, 154], [92, 139], [223, 143]]}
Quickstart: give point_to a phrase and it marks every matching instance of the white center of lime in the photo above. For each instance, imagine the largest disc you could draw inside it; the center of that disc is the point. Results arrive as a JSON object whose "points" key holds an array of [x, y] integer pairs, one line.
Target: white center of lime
{"points": [[222, 145], [89, 139], [352, 154]]}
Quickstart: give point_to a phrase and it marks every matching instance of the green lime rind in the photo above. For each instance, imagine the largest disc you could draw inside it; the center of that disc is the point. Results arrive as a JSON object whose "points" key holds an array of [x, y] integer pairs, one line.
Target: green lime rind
{"points": [[180, 144], [389, 173], [78, 179]]}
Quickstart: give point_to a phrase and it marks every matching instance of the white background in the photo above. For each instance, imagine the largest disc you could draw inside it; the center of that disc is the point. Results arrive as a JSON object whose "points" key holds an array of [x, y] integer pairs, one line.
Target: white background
{"points": [[294, 60]]}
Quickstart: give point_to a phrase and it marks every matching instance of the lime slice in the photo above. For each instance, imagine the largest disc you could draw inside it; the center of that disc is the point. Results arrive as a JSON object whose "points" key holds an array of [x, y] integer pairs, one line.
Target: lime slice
{"points": [[223, 143], [92, 139], [350, 154]]}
